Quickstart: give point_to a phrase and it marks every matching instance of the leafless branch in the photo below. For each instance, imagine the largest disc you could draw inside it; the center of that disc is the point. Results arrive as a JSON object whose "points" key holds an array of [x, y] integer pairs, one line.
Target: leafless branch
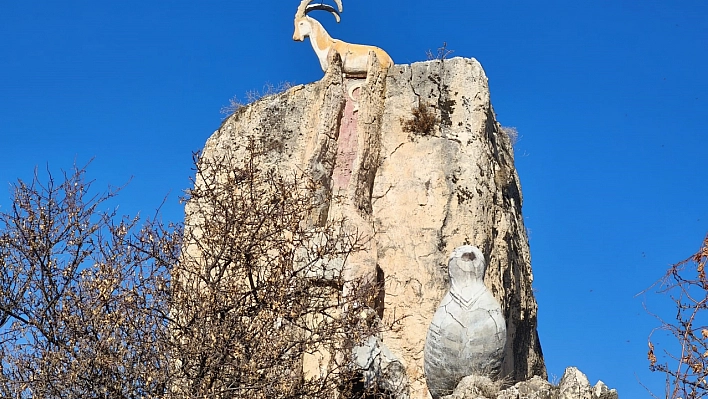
{"points": [[687, 285]]}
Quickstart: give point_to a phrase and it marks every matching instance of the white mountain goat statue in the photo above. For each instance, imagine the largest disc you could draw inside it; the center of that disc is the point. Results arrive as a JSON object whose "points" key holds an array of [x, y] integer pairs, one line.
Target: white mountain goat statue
{"points": [[355, 57]]}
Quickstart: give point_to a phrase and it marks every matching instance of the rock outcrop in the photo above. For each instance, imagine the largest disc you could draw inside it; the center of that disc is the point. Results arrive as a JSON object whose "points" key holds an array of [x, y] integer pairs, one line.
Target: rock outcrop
{"points": [[419, 193], [573, 385]]}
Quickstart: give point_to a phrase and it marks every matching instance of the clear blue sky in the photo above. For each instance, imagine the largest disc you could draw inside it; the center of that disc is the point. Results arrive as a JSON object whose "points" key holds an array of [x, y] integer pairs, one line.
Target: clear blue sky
{"points": [[609, 97]]}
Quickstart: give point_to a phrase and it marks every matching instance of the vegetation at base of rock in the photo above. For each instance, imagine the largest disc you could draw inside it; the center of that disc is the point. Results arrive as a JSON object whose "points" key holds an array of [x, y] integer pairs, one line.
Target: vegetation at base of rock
{"points": [[256, 254], [423, 120], [94, 305], [686, 369]]}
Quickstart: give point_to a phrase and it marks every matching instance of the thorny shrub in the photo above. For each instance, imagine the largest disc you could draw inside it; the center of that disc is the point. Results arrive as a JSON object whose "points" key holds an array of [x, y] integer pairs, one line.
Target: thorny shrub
{"points": [[423, 120], [686, 371], [97, 306]]}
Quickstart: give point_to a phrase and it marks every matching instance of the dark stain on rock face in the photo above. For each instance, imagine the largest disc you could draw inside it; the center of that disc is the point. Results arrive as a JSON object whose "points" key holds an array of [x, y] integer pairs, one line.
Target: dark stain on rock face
{"points": [[447, 107]]}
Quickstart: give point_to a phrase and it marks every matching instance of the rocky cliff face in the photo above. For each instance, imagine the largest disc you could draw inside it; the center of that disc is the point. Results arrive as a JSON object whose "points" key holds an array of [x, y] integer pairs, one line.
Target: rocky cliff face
{"points": [[419, 193]]}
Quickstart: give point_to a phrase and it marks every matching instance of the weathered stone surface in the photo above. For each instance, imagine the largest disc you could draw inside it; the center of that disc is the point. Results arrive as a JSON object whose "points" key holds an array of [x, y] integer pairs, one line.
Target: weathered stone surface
{"points": [[573, 385], [422, 194], [381, 369], [535, 388], [477, 387], [601, 391], [467, 334], [456, 186]]}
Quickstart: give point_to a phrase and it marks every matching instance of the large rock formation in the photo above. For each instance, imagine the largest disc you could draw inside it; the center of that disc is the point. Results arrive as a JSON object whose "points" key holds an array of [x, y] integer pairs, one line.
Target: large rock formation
{"points": [[419, 192]]}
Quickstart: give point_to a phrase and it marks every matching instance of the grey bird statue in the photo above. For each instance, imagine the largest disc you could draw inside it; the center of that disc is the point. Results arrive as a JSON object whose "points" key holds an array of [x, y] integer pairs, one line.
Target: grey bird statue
{"points": [[467, 333]]}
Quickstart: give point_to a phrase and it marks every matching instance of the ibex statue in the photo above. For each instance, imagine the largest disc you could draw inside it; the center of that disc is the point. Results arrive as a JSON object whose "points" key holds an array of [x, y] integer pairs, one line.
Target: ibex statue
{"points": [[355, 57]]}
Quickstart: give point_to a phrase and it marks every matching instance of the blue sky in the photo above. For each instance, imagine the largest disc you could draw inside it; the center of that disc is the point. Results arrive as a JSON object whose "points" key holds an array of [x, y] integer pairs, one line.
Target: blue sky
{"points": [[609, 98]]}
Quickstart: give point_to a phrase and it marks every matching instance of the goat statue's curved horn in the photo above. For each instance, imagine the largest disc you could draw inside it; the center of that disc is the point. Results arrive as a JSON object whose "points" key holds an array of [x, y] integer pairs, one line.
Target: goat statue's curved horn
{"points": [[302, 8], [324, 7], [339, 5]]}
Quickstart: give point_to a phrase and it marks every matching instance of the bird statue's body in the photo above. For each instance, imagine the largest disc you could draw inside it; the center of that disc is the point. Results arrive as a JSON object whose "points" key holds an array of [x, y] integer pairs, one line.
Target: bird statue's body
{"points": [[467, 334]]}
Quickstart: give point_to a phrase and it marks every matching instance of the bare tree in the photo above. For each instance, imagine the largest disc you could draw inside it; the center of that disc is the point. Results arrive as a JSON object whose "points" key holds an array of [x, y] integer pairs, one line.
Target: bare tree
{"points": [[686, 369], [260, 284], [93, 305], [78, 298]]}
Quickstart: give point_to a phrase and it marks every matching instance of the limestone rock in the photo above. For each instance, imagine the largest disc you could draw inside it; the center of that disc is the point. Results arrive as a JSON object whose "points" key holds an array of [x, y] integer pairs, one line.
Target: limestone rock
{"points": [[573, 385], [433, 193], [422, 193], [601, 391], [468, 333], [380, 369], [535, 388], [476, 387]]}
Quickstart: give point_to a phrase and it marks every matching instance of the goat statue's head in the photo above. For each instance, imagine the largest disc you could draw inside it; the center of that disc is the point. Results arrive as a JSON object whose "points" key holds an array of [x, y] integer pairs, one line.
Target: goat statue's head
{"points": [[303, 24]]}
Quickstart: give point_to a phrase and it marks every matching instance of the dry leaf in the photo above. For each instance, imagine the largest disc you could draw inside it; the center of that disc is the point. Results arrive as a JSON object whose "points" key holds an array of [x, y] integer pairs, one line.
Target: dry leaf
{"points": [[650, 355]]}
